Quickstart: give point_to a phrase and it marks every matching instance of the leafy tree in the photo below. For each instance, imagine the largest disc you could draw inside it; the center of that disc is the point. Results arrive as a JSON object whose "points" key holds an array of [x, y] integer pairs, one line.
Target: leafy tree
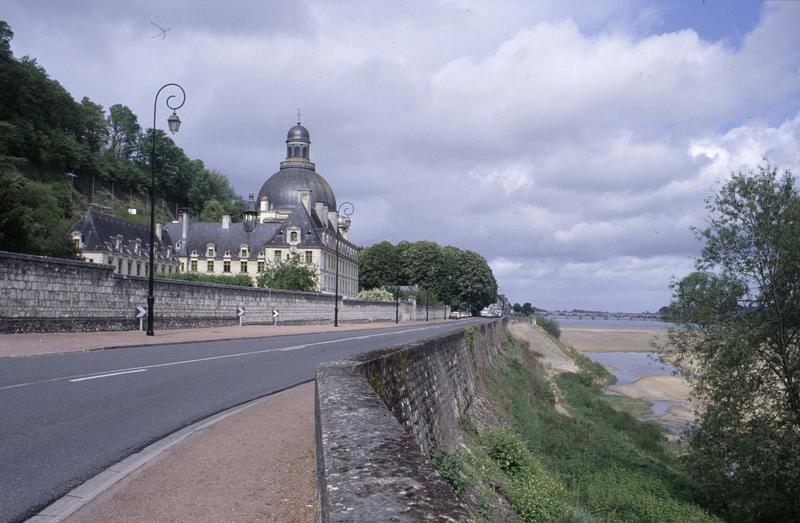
{"points": [[527, 309], [517, 308], [32, 219], [124, 132], [378, 266], [738, 336], [291, 274], [212, 211]]}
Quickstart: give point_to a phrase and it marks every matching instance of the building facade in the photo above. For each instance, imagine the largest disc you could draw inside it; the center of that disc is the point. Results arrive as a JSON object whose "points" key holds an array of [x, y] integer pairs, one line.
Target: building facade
{"points": [[294, 216]]}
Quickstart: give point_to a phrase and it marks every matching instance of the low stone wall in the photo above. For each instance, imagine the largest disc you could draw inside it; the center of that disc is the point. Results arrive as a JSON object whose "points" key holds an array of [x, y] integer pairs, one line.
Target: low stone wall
{"points": [[41, 294], [381, 414]]}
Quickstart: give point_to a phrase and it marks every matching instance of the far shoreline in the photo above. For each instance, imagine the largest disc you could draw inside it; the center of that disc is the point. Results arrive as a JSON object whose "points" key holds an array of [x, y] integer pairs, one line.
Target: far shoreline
{"points": [[612, 339]]}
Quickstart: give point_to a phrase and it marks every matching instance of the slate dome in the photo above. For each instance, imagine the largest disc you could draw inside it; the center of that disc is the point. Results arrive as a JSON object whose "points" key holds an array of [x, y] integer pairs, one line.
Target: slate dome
{"points": [[281, 188], [298, 133]]}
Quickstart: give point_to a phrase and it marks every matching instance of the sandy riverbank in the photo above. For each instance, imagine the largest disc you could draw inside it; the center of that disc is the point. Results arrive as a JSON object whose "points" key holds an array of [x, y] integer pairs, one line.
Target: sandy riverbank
{"points": [[611, 340]]}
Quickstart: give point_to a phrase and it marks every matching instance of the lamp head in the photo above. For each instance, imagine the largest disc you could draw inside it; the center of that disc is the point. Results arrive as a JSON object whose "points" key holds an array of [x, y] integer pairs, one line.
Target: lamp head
{"points": [[174, 123]]}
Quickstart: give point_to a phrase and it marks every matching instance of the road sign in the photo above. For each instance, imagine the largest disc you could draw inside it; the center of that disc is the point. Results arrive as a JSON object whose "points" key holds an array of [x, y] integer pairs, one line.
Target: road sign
{"points": [[240, 311], [275, 313], [141, 312]]}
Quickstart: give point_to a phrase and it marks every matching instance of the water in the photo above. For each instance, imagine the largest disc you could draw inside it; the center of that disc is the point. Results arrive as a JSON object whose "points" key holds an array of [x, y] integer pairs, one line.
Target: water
{"points": [[631, 366]]}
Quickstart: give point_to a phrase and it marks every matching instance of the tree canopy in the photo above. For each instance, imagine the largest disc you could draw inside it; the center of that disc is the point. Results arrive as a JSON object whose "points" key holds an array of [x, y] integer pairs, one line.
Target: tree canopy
{"points": [[291, 274], [461, 279], [739, 323]]}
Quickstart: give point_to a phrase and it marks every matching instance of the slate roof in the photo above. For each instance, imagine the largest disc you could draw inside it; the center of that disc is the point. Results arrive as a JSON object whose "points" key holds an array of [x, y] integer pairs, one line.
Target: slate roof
{"points": [[281, 188], [99, 233]]}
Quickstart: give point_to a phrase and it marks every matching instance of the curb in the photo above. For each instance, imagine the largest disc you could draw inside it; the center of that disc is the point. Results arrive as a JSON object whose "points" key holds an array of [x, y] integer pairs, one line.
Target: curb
{"points": [[76, 498]]}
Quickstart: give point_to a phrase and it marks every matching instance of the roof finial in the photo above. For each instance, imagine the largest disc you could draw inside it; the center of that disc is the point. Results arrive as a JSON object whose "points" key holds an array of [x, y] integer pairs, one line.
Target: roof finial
{"points": [[298, 117]]}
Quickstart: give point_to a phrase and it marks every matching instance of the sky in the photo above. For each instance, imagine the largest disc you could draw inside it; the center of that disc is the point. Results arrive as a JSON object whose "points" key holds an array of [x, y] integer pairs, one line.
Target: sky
{"points": [[572, 144]]}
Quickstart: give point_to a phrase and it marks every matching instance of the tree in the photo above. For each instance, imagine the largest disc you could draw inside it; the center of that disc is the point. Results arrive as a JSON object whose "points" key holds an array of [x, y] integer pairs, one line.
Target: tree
{"points": [[124, 132], [739, 339], [527, 309], [378, 266], [517, 308], [212, 211], [291, 275], [475, 286]]}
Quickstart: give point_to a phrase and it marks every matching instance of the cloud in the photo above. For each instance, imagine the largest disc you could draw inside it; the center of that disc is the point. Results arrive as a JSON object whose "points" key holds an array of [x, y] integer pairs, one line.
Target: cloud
{"points": [[571, 145]]}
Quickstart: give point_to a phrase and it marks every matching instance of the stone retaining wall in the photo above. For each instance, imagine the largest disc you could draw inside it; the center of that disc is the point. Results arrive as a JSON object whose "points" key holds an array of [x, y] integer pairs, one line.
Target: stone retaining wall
{"points": [[41, 294], [381, 414]]}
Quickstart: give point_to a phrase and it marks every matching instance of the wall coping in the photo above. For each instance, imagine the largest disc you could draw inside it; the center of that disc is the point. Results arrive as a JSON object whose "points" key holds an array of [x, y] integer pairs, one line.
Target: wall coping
{"points": [[58, 261]]}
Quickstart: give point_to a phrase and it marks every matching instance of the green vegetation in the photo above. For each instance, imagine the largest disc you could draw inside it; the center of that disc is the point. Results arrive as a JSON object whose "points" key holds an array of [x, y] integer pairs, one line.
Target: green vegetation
{"points": [[376, 295], [739, 328], [45, 134], [240, 280], [461, 279], [550, 326], [595, 464], [291, 274]]}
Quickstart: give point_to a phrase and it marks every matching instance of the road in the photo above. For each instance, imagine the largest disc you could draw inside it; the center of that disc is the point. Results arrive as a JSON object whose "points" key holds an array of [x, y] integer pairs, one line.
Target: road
{"points": [[66, 417]]}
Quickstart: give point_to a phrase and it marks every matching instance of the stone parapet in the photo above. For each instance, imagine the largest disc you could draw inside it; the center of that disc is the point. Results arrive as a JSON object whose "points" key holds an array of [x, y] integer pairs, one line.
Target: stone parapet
{"points": [[381, 414]]}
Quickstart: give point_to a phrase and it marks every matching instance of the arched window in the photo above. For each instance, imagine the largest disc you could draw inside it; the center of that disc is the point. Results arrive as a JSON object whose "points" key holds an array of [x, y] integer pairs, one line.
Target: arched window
{"points": [[288, 150], [296, 151], [305, 152], [293, 236]]}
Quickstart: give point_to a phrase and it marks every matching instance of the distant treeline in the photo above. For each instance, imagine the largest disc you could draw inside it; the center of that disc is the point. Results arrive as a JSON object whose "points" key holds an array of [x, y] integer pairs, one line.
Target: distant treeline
{"points": [[45, 134]]}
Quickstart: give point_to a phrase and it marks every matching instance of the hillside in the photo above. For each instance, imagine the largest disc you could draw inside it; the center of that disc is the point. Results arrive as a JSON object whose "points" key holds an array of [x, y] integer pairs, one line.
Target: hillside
{"points": [[46, 134]]}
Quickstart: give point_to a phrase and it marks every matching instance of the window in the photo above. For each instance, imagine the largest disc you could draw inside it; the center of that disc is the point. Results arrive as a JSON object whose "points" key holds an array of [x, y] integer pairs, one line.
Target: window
{"points": [[305, 152], [130, 267], [296, 151], [243, 252], [77, 242], [111, 261], [194, 266], [288, 150], [227, 253], [194, 253], [119, 266], [260, 266], [243, 268], [293, 236], [210, 251], [309, 256], [277, 255], [138, 269], [226, 266], [182, 267], [210, 266]]}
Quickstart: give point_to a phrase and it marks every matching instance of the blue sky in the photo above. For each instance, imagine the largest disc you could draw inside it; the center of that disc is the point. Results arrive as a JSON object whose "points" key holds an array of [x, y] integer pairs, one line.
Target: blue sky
{"points": [[570, 143]]}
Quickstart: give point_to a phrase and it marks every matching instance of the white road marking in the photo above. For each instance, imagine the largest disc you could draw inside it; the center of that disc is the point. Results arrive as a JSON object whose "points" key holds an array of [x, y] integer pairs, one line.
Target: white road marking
{"points": [[108, 375], [102, 374]]}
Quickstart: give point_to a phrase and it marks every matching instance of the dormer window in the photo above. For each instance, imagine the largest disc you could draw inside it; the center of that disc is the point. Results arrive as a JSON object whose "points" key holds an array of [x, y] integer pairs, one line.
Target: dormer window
{"points": [[210, 251], [293, 236], [194, 252], [243, 252], [178, 244], [227, 253]]}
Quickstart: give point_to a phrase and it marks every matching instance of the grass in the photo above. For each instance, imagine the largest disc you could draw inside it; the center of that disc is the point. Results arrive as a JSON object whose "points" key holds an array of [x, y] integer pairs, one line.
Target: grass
{"points": [[599, 464]]}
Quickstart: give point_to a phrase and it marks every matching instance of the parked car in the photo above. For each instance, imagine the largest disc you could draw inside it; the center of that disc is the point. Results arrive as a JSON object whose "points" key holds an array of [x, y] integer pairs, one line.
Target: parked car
{"points": [[465, 314], [455, 315]]}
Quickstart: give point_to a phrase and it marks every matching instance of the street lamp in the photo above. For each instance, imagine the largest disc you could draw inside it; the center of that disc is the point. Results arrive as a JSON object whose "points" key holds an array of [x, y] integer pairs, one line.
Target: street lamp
{"points": [[174, 124], [347, 209]]}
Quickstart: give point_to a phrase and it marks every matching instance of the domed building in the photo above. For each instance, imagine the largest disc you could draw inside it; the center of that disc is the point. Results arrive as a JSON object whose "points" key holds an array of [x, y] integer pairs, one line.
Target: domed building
{"points": [[294, 216]]}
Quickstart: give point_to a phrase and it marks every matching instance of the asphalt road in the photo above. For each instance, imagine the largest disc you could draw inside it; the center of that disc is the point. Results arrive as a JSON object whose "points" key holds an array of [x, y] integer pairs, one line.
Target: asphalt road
{"points": [[66, 417]]}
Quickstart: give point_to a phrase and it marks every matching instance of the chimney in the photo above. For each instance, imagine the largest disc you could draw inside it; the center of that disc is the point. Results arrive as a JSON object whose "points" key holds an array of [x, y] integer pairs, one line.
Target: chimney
{"points": [[333, 217], [185, 226], [305, 198], [320, 212], [226, 221], [264, 204], [158, 232]]}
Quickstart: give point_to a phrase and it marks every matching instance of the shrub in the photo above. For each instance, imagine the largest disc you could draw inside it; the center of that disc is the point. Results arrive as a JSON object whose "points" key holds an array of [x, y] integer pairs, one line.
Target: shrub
{"points": [[240, 280], [451, 468], [376, 295], [550, 326]]}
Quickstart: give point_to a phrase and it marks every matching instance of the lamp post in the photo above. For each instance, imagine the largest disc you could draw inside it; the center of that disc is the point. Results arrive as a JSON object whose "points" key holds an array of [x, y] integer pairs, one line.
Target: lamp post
{"points": [[427, 301], [347, 209], [174, 124], [397, 296]]}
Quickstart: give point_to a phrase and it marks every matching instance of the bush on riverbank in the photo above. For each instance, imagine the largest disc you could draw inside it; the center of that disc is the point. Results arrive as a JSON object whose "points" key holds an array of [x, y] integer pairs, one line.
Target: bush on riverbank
{"points": [[549, 325]]}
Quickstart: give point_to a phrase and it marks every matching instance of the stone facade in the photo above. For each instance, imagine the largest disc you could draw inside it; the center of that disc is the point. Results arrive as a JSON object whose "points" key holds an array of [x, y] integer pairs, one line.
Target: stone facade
{"points": [[40, 294]]}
